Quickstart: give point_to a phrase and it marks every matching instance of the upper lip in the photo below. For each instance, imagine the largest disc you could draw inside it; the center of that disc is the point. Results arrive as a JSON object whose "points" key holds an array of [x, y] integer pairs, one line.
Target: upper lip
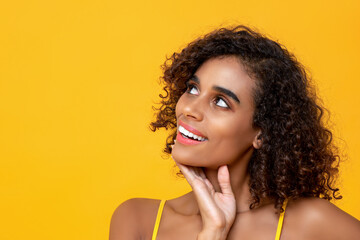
{"points": [[191, 129]]}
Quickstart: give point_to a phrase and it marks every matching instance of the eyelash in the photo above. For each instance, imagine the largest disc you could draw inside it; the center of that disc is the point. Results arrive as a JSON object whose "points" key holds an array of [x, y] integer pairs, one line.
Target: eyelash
{"points": [[190, 86], [220, 98]]}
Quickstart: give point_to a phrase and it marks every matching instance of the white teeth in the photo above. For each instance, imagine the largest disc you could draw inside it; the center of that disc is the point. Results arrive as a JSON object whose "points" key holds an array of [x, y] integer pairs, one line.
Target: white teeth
{"points": [[186, 132], [190, 134]]}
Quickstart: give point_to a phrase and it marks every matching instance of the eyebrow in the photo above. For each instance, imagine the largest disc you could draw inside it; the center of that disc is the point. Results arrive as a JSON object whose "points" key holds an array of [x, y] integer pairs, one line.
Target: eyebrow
{"points": [[218, 89]]}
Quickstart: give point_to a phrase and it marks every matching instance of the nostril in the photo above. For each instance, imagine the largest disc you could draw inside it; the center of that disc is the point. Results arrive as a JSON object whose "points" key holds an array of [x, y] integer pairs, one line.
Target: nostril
{"points": [[190, 116]]}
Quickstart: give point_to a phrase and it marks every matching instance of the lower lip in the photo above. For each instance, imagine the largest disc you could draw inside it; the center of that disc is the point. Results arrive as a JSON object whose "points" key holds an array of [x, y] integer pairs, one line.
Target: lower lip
{"points": [[186, 141]]}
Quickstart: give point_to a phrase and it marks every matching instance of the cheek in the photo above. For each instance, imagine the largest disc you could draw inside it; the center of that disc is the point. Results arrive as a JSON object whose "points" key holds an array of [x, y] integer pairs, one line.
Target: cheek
{"points": [[235, 130], [233, 138]]}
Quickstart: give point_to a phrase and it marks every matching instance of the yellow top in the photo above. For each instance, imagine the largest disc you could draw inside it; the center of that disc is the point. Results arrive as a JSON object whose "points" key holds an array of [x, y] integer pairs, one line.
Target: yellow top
{"points": [[281, 220], [161, 208], [158, 218]]}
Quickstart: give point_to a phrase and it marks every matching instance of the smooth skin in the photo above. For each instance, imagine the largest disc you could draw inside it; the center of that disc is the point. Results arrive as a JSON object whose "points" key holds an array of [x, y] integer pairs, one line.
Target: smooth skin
{"points": [[218, 206]]}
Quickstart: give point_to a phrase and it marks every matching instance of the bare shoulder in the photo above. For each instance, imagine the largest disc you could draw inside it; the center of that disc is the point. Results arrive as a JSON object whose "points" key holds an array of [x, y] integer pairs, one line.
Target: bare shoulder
{"points": [[134, 219], [316, 218]]}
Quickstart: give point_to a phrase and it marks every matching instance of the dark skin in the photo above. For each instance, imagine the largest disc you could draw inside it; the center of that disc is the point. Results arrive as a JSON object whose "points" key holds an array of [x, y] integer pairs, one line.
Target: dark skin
{"points": [[218, 206]]}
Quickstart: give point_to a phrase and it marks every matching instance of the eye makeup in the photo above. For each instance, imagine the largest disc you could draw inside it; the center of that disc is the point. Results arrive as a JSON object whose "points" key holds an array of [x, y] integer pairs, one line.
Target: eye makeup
{"points": [[219, 89]]}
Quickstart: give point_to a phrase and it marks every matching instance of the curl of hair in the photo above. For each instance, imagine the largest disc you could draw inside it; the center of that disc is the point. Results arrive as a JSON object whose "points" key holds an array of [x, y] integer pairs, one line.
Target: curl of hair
{"points": [[297, 157]]}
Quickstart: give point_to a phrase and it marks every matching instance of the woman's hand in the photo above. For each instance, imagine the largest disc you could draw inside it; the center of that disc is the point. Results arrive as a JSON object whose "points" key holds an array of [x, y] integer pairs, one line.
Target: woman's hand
{"points": [[217, 209]]}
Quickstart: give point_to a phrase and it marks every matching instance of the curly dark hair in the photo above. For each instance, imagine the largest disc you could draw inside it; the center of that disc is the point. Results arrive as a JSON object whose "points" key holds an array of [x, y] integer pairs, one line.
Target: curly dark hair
{"points": [[298, 157]]}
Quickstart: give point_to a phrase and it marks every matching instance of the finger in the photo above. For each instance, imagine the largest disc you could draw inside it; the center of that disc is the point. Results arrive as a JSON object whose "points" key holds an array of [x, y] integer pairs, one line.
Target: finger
{"points": [[224, 180], [184, 169], [210, 186], [188, 173], [202, 188], [197, 183], [202, 174], [199, 172]]}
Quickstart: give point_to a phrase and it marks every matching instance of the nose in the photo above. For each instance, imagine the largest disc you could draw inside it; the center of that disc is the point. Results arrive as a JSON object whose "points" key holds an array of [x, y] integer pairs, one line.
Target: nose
{"points": [[194, 109]]}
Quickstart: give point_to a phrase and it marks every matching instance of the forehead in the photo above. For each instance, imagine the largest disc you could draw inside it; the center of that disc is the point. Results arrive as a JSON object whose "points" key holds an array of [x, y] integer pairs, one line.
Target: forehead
{"points": [[227, 72]]}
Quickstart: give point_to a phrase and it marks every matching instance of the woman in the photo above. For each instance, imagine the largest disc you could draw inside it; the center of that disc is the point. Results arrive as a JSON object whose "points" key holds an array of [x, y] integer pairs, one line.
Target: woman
{"points": [[249, 138]]}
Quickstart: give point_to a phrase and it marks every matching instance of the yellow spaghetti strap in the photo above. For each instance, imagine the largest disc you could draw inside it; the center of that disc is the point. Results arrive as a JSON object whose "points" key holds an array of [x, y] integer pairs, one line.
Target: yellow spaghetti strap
{"points": [[280, 223], [158, 218]]}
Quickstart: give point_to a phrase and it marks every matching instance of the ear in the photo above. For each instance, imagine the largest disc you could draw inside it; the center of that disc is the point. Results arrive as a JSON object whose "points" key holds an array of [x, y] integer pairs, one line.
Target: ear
{"points": [[257, 140]]}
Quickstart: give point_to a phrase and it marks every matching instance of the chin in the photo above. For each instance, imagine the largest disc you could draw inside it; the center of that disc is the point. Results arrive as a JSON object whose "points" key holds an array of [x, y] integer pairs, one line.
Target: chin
{"points": [[187, 158], [194, 160]]}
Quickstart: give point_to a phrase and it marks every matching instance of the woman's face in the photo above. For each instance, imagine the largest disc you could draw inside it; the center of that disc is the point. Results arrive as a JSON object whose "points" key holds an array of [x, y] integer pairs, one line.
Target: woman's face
{"points": [[217, 110]]}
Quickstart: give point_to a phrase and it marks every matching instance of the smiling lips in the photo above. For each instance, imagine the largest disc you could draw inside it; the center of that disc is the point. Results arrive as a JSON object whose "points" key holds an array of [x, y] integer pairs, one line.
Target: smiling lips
{"points": [[188, 135]]}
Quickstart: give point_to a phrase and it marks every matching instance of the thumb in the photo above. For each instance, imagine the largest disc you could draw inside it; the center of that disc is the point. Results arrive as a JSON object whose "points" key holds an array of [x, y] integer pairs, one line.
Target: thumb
{"points": [[224, 180]]}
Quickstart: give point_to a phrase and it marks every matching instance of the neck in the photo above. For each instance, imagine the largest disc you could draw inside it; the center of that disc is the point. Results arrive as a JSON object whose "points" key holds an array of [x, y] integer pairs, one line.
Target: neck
{"points": [[239, 179]]}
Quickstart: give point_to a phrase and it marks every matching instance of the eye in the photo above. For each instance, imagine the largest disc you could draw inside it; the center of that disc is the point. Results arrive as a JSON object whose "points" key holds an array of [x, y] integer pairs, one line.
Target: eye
{"points": [[221, 103], [192, 89]]}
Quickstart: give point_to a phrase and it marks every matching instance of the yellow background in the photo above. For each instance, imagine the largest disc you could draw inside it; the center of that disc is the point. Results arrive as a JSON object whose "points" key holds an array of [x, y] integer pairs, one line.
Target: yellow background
{"points": [[77, 82]]}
